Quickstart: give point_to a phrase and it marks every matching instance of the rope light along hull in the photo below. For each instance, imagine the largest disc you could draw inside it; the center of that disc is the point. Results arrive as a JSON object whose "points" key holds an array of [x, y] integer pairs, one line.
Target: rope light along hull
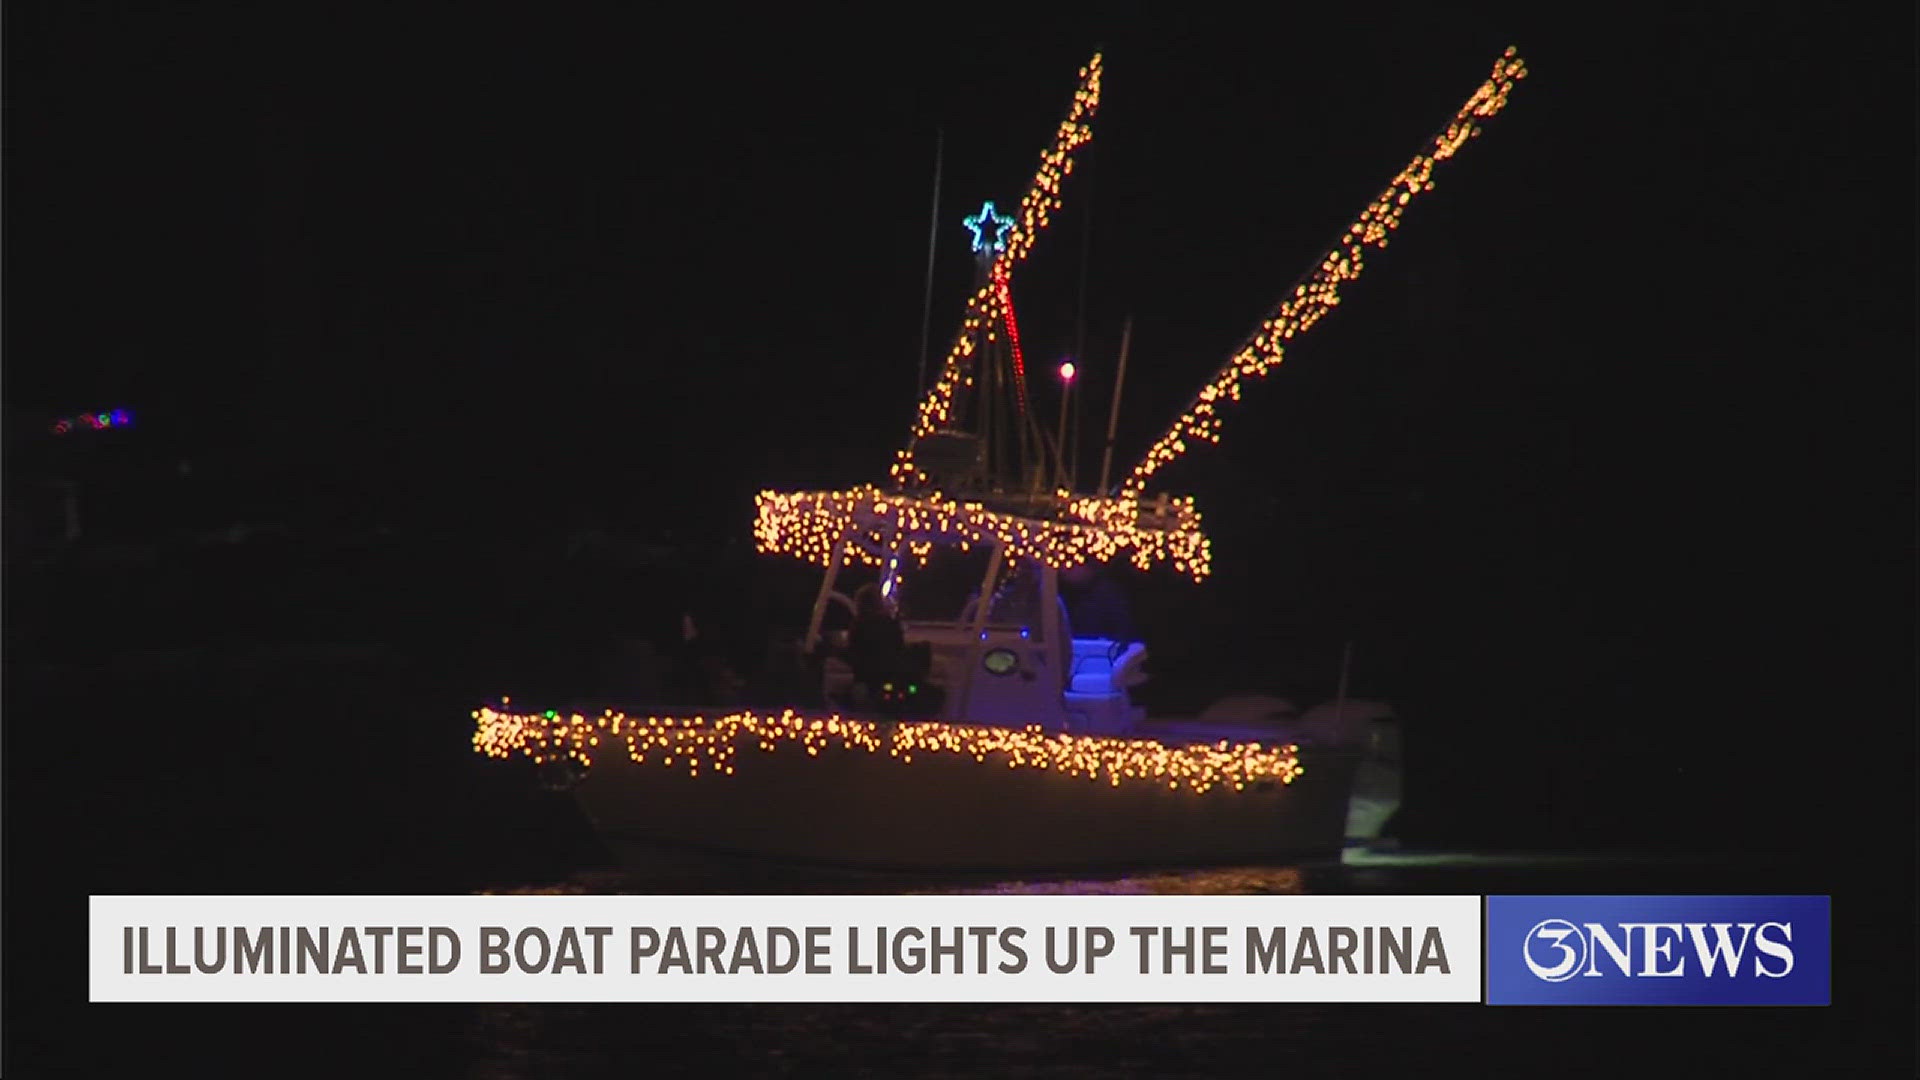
{"points": [[926, 795], [1319, 292]]}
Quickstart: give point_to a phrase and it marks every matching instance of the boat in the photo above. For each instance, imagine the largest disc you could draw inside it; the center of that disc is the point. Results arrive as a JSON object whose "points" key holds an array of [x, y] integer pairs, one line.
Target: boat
{"points": [[1003, 736]]}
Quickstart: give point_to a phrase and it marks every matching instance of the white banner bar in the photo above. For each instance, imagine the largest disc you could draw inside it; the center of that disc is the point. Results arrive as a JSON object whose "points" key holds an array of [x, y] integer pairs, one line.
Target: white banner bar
{"points": [[785, 948]]}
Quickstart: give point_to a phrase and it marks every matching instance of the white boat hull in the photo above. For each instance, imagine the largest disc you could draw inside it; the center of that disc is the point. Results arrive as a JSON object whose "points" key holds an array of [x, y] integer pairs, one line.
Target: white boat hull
{"points": [[855, 808]]}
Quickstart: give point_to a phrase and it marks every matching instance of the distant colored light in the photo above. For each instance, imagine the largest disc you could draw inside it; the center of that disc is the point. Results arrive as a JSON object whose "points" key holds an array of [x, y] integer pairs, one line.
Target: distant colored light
{"points": [[1024, 632], [1066, 371], [97, 421]]}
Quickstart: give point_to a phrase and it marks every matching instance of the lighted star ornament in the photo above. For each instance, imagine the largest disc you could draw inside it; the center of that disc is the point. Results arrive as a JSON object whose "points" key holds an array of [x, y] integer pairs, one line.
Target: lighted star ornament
{"points": [[979, 224]]}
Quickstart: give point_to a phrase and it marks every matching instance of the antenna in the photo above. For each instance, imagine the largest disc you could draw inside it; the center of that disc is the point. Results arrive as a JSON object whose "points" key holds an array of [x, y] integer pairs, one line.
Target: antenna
{"points": [[933, 236], [1072, 451], [1113, 417]]}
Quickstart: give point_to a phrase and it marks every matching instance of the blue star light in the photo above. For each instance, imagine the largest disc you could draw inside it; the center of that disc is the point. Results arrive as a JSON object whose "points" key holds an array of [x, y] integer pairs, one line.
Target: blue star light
{"points": [[987, 219]]}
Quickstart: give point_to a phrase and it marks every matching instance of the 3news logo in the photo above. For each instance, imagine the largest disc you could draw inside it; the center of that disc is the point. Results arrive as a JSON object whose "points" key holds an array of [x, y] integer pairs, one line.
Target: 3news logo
{"points": [[1658, 950]]}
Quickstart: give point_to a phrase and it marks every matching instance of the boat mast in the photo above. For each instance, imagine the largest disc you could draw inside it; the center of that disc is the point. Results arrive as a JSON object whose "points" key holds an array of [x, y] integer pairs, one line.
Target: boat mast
{"points": [[1002, 420], [1080, 328], [1113, 415]]}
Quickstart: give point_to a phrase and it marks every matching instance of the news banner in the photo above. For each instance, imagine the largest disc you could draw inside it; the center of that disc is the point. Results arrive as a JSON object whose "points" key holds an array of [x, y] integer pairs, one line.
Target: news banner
{"points": [[1496, 950]]}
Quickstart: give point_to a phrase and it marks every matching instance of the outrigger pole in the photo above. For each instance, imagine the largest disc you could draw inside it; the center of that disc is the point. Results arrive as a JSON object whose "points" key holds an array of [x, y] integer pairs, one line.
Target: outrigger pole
{"points": [[1317, 292]]}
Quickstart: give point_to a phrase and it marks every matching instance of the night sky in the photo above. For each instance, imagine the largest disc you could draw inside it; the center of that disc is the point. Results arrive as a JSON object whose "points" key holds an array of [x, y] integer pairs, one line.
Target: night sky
{"points": [[1616, 434]]}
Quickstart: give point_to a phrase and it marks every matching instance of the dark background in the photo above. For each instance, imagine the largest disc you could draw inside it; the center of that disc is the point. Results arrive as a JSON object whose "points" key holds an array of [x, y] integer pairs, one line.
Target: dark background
{"points": [[1604, 466]]}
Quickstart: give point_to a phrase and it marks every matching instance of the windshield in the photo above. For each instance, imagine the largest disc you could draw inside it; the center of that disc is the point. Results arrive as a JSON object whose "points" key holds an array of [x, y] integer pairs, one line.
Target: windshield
{"points": [[947, 590], [1017, 600], [939, 592]]}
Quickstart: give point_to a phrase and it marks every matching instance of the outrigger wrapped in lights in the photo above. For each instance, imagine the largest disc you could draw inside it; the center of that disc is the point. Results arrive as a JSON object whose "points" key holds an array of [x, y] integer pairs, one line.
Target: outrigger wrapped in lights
{"points": [[858, 523], [1317, 296]]}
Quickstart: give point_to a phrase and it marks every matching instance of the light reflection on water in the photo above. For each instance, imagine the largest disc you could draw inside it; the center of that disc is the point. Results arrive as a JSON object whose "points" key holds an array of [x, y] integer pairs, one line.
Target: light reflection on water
{"points": [[889, 1040], [675, 871], [679, 880], [1238, 881]]}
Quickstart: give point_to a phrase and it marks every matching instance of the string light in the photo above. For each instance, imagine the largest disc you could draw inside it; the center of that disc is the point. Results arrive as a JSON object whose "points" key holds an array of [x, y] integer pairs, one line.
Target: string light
{"points": [[985, 308], [1082, 529], [988, 219], [1320, 291], [1013, 335], [712, 746]]}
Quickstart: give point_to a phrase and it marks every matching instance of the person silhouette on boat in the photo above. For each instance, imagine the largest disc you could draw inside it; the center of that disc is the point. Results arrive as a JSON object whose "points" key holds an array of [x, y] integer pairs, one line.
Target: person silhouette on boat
{"points": [[699, 676], [1095, 603], [876, 646]]}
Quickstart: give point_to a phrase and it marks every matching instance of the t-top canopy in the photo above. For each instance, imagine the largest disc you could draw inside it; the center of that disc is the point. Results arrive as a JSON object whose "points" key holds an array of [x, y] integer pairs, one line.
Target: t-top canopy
{"points": [[1059, 531]]}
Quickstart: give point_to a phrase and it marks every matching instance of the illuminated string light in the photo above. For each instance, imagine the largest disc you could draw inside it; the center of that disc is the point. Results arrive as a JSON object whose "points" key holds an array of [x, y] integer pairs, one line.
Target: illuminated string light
{"points": [[1083, 529], [1013, 336], [712, 746], [875, 527], [1319, 293], [987, 219], [985, 307]]}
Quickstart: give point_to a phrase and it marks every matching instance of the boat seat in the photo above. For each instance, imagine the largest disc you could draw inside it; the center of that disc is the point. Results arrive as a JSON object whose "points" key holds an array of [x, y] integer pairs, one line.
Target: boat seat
{"points": [[1105, 666]]}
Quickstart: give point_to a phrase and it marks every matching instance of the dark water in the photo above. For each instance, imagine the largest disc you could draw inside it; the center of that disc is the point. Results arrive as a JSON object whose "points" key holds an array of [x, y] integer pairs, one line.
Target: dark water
{"points": [[253, 767]]}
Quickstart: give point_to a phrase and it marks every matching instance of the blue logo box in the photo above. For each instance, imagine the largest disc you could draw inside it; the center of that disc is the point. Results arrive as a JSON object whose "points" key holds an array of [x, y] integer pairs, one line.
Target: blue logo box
{"points": [[1658, 950]]}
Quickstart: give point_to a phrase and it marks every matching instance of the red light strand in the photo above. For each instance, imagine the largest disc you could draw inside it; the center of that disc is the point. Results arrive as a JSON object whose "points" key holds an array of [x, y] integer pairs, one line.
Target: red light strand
{"points": [[1013, 335]]}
